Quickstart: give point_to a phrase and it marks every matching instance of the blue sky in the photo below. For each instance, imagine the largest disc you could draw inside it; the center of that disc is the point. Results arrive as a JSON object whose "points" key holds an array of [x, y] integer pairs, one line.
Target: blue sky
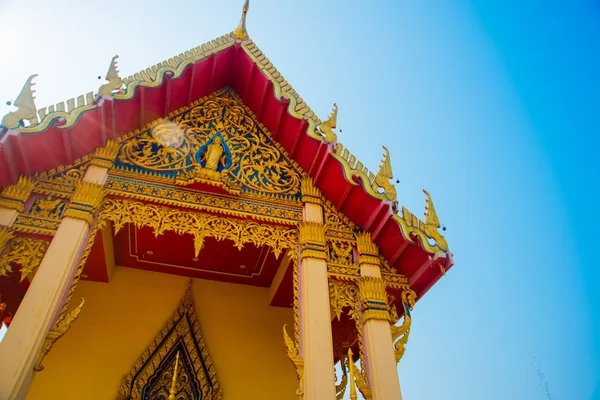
{"points": [[494, 107]]}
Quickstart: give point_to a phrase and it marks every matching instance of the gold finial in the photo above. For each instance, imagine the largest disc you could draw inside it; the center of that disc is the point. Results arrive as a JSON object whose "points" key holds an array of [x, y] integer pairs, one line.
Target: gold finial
{"points": [[431, 217], [26, 106], [329, 136], [114, 80], [174, 381], [384, 175], [240, 32]]}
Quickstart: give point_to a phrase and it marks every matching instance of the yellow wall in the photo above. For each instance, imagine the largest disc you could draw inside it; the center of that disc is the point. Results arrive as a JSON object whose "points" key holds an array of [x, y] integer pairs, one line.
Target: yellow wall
{"points": [[119, 319]]}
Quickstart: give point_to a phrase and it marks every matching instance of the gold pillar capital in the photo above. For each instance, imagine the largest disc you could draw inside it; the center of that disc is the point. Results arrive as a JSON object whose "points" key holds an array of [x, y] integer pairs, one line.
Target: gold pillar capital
{"points": [[105, 156], [367, 250], [85, 201], [312, 240], [15, 196], [310, 193], [373, 297]]}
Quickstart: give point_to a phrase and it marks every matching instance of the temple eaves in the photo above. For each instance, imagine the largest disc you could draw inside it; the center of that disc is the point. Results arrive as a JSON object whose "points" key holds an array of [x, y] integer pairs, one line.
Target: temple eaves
{"points": [[378, 186]]}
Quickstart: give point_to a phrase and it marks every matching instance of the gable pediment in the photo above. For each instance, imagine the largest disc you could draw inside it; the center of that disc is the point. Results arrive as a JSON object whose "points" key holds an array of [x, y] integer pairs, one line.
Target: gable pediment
{"points": [[215, 141]]}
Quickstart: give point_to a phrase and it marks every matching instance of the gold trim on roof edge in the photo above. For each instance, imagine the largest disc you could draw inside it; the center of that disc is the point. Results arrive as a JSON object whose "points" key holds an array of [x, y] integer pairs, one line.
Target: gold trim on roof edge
{"points": [[297, 107]]}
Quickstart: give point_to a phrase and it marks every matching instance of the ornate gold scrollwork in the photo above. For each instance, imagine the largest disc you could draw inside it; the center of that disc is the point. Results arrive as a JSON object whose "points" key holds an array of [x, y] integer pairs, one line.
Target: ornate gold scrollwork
{"points": [[152, 372], [400, 335], [344, 295], [199, 225], [293, 353], [216, 141], [62, 325], [24, 251]]}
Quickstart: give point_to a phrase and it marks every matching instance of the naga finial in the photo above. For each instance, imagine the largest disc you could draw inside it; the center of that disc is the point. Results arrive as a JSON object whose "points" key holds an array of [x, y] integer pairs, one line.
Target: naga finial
{"points": [[240, 32], [382, 179], [26, 107], [432, 223], [326, 127], [431, 217], [114, 80]]}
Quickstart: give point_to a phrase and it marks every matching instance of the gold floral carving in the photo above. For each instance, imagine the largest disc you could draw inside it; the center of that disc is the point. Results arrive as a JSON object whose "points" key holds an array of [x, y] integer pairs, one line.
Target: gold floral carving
{"points": [[217, 141], [60, 181], [293, 353], [26, 107], [105, 156], [326, 128], [310, 194], [341, 252], [85, 201], [312, 240], [337, 225], [61, 327], [373, 296], [344, 295], [6, 236], [203, 201], [180, 334], [199, 225], [25, 252], [15, 196]]}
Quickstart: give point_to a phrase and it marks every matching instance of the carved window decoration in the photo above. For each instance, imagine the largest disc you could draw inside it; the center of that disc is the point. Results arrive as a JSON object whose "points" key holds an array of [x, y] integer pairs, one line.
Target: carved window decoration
{"points": [[216, 141], [179, 347]]}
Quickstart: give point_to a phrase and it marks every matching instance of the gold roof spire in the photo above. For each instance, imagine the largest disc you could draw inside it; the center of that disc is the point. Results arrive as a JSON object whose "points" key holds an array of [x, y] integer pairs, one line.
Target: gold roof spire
{"points": [[173, 389], [240, 32]]}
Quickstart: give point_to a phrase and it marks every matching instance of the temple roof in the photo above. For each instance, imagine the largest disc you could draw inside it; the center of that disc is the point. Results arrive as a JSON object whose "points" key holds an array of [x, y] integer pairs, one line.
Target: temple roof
{"points": [[61, 134]]}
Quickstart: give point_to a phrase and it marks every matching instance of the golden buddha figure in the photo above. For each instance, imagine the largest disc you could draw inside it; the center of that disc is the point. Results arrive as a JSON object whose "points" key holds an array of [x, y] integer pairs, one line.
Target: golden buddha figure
{"points": [[214, 154]]}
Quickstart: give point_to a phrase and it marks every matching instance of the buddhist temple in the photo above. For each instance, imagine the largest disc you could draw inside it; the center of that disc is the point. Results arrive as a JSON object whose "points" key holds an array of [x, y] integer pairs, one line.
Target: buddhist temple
{"points": [[195, 231]]}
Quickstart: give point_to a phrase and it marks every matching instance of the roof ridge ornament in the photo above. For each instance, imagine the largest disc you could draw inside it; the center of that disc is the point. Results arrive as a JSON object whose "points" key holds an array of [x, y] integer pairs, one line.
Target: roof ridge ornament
{"points": [[114, 80], [240, 32], [26, 107], [383, 177], [326, 128]]}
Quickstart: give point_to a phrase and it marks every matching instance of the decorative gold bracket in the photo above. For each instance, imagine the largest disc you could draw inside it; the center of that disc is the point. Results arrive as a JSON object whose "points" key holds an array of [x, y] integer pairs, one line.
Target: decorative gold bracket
{"points": [[60, 328], [293, 353]]}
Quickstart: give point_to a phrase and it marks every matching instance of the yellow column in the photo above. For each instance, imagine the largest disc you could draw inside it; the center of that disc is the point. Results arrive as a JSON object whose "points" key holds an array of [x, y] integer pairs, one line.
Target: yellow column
{"points": [[377, 337], [315, 320], [13, 198], [41, 304]]}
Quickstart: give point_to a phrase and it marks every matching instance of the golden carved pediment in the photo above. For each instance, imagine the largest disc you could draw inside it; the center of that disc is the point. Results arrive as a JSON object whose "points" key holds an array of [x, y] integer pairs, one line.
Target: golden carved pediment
{"points": [[215, 141], [179, 346]]}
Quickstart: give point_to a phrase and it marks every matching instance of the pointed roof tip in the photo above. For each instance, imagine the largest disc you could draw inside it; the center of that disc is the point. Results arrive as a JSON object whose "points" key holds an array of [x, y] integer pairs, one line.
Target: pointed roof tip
{"points": [[240, 32]]}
